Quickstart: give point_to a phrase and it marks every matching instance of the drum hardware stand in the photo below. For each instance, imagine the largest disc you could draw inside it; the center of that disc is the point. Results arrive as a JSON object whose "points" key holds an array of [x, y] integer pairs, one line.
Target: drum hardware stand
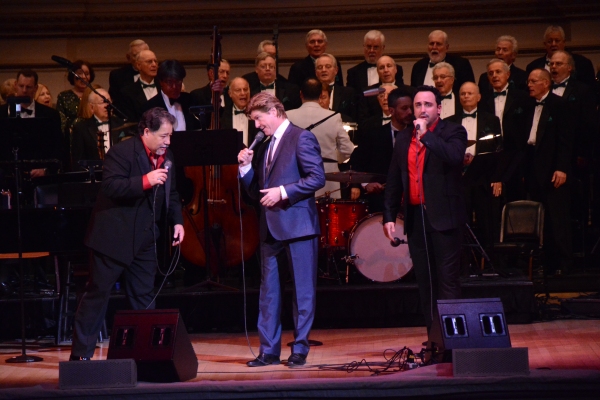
{"points": [[349, 260], [473, 242]]}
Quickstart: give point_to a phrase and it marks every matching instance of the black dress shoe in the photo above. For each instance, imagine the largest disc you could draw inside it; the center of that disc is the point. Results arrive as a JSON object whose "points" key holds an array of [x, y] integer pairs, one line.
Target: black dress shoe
{"points": [[296, 360], [263, 360], [76, 358]]}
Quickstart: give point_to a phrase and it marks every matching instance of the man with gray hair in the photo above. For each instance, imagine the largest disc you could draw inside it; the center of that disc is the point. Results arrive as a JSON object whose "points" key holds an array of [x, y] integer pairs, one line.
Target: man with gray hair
{"points": [[266, 46], [363, 75], [507, 49], [437, 51], [287, 93], [127, 74], [554, 39], [443, 78], [341, 98], [316, 45]]}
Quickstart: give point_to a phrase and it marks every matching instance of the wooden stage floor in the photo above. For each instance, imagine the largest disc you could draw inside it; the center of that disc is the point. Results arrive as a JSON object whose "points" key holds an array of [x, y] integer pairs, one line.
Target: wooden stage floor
{"points": [[562, 352]]}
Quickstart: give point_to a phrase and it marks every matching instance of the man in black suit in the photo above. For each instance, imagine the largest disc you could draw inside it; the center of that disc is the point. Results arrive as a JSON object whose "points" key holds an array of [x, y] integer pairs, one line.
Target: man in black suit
{"points": [[374, 155], [170, 77], [203, 95], [287, 93], [234, 115], [138, 189], [284, 176], [437, 49], [316, 45], [509, 104], [85, 143], [127, 74], [547, 169], [554, 39], [26, 85], [133, 97], [341, 98], [267, 46], [481, 193], [443, 78], [363, 75], [425, 172], [506, 50], [378, 118]]}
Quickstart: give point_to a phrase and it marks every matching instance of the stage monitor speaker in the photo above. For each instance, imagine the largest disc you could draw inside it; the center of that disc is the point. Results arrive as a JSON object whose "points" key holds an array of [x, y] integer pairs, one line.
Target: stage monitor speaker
{"points": [[490, 362], [157, 341], [97, 374], [468, 324]]}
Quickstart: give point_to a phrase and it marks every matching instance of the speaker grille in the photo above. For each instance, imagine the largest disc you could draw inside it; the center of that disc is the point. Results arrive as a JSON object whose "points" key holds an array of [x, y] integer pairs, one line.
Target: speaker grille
{"points": [[490, 362], [97, 374]]}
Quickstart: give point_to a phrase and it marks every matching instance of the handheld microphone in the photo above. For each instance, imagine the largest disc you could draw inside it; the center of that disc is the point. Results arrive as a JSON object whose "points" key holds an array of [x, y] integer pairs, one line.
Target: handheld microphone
{"points": [[397, 242], [257, 139], [63, 61], [168, 164], [373, 92]]}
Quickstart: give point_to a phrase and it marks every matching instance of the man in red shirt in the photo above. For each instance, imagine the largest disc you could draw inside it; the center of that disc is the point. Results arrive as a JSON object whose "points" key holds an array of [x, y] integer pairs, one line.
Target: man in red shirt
{"points": [[425, 173]]}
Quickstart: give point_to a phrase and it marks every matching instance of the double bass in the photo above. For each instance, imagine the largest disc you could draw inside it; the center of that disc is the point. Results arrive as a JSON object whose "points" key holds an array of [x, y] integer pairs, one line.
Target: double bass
{"points": [[216, 214]]}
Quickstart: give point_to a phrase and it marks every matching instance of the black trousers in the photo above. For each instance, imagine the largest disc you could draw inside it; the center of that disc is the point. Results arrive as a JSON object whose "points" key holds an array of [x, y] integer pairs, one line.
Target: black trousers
{"points": [[436, 261], [105, 271]]}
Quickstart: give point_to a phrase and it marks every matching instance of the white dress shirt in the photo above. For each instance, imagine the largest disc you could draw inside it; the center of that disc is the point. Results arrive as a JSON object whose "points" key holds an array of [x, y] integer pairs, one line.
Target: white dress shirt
{"points": [[470, 125], [499, 103], [150, 92], [448, 107], [372, 76], [176, 111], [240, 123], [536, 120]]}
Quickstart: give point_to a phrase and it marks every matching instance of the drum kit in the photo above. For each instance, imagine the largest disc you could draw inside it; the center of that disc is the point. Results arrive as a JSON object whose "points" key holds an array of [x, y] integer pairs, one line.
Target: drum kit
{"points": [[347, 226]]}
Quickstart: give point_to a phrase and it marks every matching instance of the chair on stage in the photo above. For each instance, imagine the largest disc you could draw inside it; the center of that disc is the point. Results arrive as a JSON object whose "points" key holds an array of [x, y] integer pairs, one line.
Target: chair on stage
{"points": [[522, 231]]}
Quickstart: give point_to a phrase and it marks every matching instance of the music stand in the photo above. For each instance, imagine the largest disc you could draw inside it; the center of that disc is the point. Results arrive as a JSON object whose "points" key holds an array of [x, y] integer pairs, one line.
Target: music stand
{"points": [[202, 148]]}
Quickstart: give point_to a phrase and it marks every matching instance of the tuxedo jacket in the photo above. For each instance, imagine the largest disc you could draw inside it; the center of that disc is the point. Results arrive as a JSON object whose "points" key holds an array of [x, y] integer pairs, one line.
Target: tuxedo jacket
{"points": [[369, 106], [358, 80], [518, 80], [374, 155], [132, 100], [486, 124], [227, 123], [84, 141], [252, 78], [584, 69], [553, 146], [124, 212], [514, 119], [345, 101], [203, 96], [462, 70], [297, 165], [442, 186], [53, 135], [305, 68], [118, 79], [367, 126], [287, 93], [185, 100]]}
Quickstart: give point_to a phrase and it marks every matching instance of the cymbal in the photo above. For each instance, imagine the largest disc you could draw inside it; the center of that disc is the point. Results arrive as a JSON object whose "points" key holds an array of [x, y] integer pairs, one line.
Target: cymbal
{"points": [[354, 177], [471, 142], [126, 125]]}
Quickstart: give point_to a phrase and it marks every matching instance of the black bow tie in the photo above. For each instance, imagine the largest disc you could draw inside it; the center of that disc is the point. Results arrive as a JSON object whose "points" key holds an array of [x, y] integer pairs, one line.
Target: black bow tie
{"points": [[547, 62], [502, 93], [236, 111], [173, 101], [557, 85], [448, 96], [147, 85], [540, 103], [371, 65], [100, 123], [265, 87], [474, 115], [26, 110], [387, 118], [431, 64]]}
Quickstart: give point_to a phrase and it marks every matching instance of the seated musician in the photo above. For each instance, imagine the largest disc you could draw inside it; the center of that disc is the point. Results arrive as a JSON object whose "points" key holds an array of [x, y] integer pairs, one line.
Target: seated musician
{"points": [[86, 140], [374, 155]]}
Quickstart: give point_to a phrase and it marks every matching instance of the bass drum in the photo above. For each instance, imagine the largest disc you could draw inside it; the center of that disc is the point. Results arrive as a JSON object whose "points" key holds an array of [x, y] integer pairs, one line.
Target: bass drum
{"points": [[374, 256]]}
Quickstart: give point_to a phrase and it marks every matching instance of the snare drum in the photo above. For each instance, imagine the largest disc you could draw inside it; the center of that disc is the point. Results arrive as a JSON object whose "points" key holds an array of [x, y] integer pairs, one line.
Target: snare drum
{"points": [[374, 256]]}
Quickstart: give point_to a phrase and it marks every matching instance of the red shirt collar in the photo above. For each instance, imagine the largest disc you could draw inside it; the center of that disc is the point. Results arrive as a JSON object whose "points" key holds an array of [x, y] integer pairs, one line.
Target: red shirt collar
{"points": [[151, 156]]}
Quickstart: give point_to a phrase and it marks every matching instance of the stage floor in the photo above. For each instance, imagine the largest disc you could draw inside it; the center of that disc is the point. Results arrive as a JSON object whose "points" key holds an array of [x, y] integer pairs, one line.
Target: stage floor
{"points": [[564, 359]]}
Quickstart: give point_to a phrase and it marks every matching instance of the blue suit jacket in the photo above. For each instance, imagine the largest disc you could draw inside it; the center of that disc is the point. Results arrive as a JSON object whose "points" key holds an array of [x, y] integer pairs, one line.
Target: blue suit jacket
{"points": [[298, 166]]}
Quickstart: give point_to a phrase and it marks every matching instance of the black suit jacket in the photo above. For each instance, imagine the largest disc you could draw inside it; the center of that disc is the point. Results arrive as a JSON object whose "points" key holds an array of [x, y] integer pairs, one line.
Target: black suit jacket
{"points": [[553, 146], [463, 72], [358, 80], [124, 214], [118, 79], [252, 78], [84, 145], [132, 100], [442, 186], [305, 68], [185, 99], [345, 101], [369, 106], [584, 69], [518, 80], [514, 119], [227, 123], [486, 124], [287, 93]]}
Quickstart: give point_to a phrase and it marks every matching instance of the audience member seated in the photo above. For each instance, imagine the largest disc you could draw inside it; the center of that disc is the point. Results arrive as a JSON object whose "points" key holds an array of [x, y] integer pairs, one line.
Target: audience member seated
{"points": [[363, 75], [316, 45], [437, 51]]}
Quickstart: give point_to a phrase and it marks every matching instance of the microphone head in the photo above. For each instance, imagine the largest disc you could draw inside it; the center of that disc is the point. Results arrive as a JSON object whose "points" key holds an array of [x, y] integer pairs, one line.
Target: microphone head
{"points": [[168, 164], [260, 135]]}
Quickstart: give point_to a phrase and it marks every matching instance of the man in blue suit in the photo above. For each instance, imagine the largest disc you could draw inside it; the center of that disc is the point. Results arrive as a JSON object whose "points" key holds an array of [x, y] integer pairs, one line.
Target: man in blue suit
{"points": [[284, 176]]}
